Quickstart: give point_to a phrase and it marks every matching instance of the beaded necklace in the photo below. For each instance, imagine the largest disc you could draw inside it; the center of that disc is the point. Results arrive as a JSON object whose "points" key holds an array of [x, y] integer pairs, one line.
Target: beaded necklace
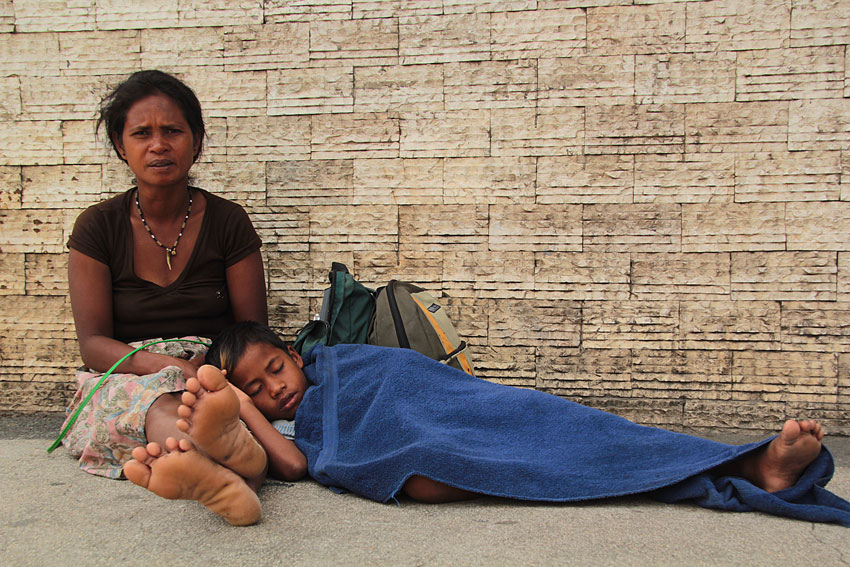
{"points": [[169, 251]]}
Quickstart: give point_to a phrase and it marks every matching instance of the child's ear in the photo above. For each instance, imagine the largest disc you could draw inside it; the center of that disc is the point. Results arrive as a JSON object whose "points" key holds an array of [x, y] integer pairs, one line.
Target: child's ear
{"points": [[296, 358]]}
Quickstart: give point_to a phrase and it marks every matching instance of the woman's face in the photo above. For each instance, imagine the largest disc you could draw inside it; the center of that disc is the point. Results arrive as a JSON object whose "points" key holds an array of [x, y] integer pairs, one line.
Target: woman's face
{"points": [[272, 378], [158, 143]]}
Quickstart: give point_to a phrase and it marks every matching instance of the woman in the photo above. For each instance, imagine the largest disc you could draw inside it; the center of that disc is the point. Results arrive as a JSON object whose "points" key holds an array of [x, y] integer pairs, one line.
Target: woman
{"points": [[163, 259]]}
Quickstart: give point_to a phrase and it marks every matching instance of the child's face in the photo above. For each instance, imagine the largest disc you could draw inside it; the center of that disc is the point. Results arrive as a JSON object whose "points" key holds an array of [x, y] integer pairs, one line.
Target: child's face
{"points": [[272, 378]]}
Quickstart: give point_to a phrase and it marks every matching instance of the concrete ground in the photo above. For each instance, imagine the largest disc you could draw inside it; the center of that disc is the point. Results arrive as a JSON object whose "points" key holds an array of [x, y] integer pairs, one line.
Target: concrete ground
{"points": [[53, 514]]}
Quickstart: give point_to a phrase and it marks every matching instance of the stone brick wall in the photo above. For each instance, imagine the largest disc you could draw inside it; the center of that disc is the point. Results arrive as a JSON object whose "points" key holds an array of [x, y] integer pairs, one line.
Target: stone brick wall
{"points": [[640, 204]]}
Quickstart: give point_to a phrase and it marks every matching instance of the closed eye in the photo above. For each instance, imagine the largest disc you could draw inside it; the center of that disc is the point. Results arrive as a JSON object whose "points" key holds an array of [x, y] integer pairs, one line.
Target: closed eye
{"points": [[253, 389]]}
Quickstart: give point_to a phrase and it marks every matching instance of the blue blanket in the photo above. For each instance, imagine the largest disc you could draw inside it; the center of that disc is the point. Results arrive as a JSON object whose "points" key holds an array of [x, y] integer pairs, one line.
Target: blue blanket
{"points": [[374, 416]]}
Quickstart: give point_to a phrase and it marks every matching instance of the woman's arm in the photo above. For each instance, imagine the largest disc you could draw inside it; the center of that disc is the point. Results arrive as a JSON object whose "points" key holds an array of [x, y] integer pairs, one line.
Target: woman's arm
{"points": [[286, 462], [246, 284], [90, 285]]}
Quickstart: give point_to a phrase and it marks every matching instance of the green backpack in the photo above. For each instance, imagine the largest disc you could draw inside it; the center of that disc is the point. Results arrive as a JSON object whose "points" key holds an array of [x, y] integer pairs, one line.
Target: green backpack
{"points": [[347, 309], [400, 314]]}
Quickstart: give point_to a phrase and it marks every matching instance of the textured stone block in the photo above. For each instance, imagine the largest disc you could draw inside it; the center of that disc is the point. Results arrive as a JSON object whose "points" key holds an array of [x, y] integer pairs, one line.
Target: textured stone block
{"points": [[736, 127], [195, 13], [689, 277], [270, 46], [733, 25], [183, 49], [730, 325], [58, 187], [585, 179], [541, 132], [121, 15], [684, 178], [38, 339], [784, 276], [538, 228], [398, 88], [10, 98], [443, 228], [243, 182], [630, 324], [818, 226], [790, 74], [490, 84], [584, 372], [30, 231], [362, 9], [632, 228], [422, 268], [629, 30], [11, 187], [534, 323], [817, 326], [282, 229], [12, 274], [785, 376], [46, 274], [229, 94], [29, 54], [54, 16], [292, 91], [288, 313], [61, 98], [529, 33], [101, 52], [446, 134], [469, 316], [511, 366], [588, 275], [347, 136], [310, 182], [468, 6], [635, 129], [276, 11], [819, 22], [80, 145], [843, 276], [586, 80], [268, 138], [355, 228], [34, 396], [489, 180], [819, 124], [7, 16], [289, 272], [354, 42], [788, 176], [398, 181], [444, 38], [488, 274], [31, 142], [685, 77], [682, 374], [733, 227], [739, 415]]}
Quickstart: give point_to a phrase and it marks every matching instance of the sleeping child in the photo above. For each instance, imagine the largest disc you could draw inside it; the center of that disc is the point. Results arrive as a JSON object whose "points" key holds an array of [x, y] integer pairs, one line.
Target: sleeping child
{"points": [[382, 422]]}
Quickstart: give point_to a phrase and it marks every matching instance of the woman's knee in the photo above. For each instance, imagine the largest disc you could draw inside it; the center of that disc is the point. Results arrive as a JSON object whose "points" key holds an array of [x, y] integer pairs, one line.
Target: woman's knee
{"points": [[424, 489]]}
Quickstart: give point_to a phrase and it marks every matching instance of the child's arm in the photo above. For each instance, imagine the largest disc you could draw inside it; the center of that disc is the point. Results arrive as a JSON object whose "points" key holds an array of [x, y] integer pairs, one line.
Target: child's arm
{"points": [[286, 462]]}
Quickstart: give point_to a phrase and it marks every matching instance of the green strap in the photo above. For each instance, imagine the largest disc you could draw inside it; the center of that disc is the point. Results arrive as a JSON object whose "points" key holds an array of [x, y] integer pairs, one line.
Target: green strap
{"points": [[103, 379]]}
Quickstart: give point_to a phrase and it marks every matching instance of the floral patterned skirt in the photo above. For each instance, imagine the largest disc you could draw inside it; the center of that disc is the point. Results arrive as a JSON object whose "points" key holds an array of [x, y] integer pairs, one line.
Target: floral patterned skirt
{"points": [[112, 424]]}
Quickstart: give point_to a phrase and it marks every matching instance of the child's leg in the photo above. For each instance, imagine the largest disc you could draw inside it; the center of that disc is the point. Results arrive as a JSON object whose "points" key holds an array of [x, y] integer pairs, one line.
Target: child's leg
{"points": [[778, 465], [430, 491], [185, 474], [210, 416]]}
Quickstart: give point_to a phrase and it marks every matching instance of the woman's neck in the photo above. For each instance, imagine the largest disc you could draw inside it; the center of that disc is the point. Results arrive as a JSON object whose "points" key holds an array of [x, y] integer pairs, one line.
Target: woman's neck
{"points": [[160, 203]]}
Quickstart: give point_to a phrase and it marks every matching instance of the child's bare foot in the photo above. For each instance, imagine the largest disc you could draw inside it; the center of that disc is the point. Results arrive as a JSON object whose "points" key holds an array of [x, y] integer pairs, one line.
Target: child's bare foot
{"points": [[210, 415], [781, 463], [185, 474]]}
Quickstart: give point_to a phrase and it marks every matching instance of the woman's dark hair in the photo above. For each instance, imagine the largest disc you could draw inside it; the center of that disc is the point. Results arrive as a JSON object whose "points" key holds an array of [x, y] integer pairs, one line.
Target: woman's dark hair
{"points": [[141, 84], [230, 344]]}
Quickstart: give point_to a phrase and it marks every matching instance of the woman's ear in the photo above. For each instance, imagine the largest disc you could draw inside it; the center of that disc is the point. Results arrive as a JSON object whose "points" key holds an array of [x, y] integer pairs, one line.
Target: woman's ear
{"points": [[119, 145]]}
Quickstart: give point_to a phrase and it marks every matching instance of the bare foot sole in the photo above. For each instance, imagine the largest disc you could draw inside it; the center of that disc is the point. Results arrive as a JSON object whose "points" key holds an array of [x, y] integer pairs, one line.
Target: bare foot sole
{"points": [[185, 474], [210, 415], [787, 456]]}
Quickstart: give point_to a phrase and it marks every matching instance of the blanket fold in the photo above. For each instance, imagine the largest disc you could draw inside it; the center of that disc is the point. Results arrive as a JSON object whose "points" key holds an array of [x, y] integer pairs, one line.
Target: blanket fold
{"points": [[375, 416]]}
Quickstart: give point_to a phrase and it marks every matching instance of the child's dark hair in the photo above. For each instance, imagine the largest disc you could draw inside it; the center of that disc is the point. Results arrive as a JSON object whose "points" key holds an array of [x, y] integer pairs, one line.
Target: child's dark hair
{"points": [[230, 344], [142, 84]]}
